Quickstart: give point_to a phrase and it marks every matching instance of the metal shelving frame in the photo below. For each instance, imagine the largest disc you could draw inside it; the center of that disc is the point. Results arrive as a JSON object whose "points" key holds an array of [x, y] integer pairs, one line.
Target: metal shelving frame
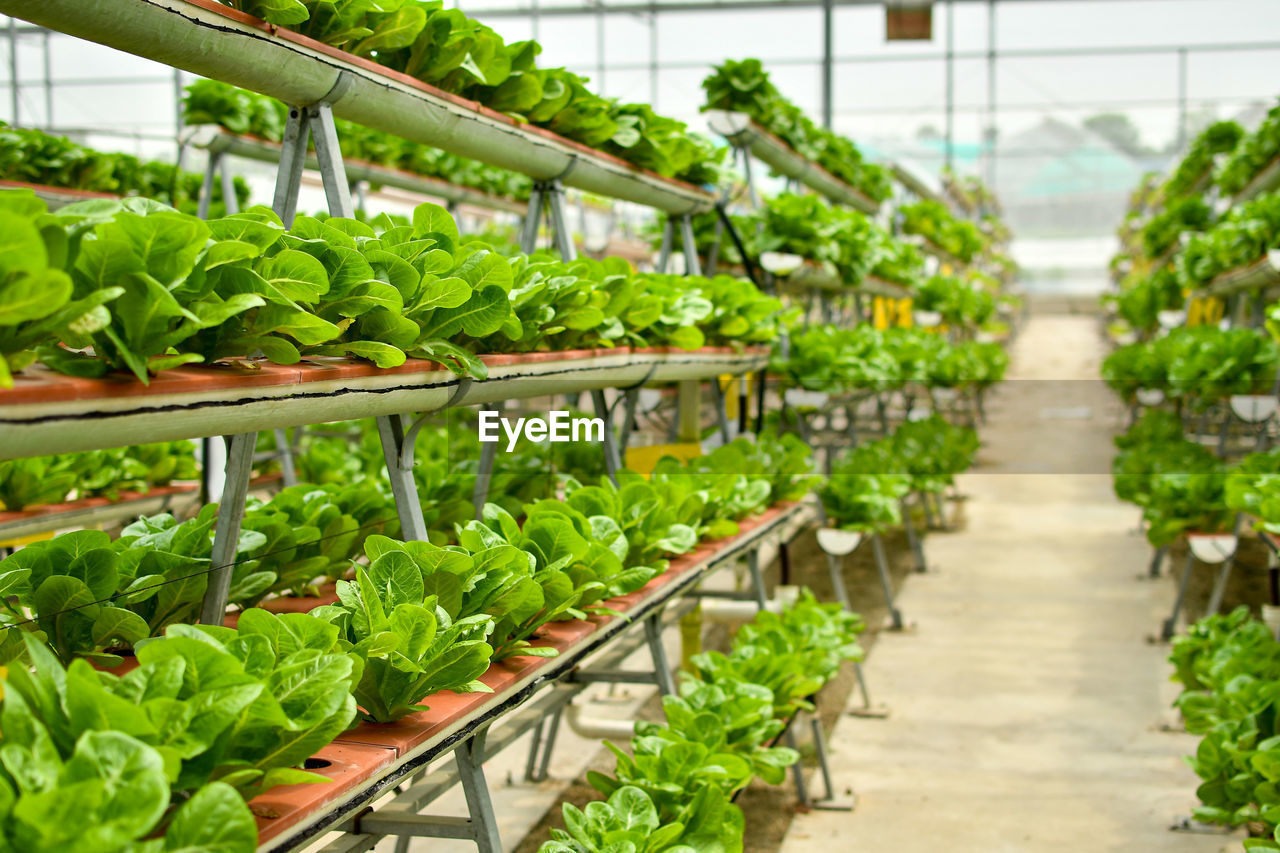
{"points": [[319, 83], [744, 134], [1266, 180], [515, 710], [221, 144], [55, 197]]}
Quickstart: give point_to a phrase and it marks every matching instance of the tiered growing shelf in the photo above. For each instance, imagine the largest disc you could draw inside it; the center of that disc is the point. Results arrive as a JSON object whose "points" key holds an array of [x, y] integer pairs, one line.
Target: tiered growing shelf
{"points": [[744, 133], [217, 141], [49, 413]]}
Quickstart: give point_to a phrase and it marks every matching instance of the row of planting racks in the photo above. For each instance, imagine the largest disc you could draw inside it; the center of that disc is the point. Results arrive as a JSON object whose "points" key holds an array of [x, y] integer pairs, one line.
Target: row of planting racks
{"points": [[49, 413], [751, 141], [1242, 295]]}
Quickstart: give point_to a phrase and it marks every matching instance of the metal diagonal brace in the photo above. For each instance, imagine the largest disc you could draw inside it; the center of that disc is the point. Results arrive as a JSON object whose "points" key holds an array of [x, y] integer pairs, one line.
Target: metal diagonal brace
{"points": [[304, 124], [661, 674], [482, 825], [226, 531], [551, 194], [398, 437], [882, 569]]}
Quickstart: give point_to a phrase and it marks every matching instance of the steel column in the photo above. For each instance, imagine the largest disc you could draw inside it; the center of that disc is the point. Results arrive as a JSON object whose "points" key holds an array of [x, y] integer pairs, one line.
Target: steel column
{"points": [[226, 531], [882, 569], [397, 451]]}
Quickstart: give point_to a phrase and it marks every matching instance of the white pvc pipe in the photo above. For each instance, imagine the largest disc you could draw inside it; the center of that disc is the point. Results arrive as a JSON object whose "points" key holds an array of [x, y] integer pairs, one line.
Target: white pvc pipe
{"points": [[597, 728], [211, 40]]}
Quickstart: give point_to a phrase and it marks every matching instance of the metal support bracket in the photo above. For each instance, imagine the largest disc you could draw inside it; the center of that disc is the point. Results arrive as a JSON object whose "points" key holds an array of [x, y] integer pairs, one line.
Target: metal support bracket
{"points": [[304, 124], [547, 199], [612, 456], [226, 531], [482, 825], [692, 265], [1169, 627], [219, 166], [484, 474], [397, 451], [1224, 574], [913, 539], [882, 569], [829, 801]]}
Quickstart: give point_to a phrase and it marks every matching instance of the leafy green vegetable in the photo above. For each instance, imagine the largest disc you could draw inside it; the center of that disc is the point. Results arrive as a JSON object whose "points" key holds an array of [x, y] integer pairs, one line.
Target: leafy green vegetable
{"points": [[408, 645], [455, 53], [244, 706], [744, 86], [33, 156], [933, 221], [1218, 138], [1243, 236], [1228, 666], [53, 479], [862, 493], [313, 532], [1254, 151]]}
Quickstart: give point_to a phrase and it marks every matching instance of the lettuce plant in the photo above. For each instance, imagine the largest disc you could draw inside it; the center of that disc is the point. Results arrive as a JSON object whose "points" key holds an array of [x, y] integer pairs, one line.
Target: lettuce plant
{"points": [[110, 794], [445, 48], [406, 643], [934, 222], [629, 821], [1253, 152], [744, 86], [1228, 665], [313, 532], [1218, 138], [244, 706]]}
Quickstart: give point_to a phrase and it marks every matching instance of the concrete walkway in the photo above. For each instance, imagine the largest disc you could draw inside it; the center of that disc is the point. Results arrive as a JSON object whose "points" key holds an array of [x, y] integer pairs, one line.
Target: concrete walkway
{"points": [[1025, 704]]}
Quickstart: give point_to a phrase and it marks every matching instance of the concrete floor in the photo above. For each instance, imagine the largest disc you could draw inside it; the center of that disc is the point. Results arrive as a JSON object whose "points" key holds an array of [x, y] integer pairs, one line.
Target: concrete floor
{"points": [[1025, 704]]}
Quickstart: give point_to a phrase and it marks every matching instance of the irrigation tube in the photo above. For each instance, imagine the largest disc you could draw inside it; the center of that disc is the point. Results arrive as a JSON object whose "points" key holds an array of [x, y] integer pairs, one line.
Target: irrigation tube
{"points": [[206, 38]]}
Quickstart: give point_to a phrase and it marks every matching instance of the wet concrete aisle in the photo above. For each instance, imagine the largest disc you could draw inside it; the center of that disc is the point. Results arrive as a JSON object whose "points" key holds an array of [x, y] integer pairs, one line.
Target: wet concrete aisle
{"points": [[1024, 705]]}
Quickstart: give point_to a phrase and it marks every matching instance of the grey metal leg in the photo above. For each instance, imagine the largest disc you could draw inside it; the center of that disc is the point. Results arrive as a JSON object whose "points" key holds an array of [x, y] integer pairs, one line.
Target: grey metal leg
{"points": [[1170, 625], [484, 475], [337, 190], [206, 188], [397, 451], [552, 726], [913, 538], [828, 801], [692, 265], [631, 398], [560, 221], [226, 531], [612, 457], [882, 568], [1220, 586], [757, 577], [532, 217], [1157, 558], [470, 758], [797, 772], [1224, 574], [661, 668], [288, 473], [293, 158], [835, 566], [229, 200], [668, 242], [722, 419]]}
